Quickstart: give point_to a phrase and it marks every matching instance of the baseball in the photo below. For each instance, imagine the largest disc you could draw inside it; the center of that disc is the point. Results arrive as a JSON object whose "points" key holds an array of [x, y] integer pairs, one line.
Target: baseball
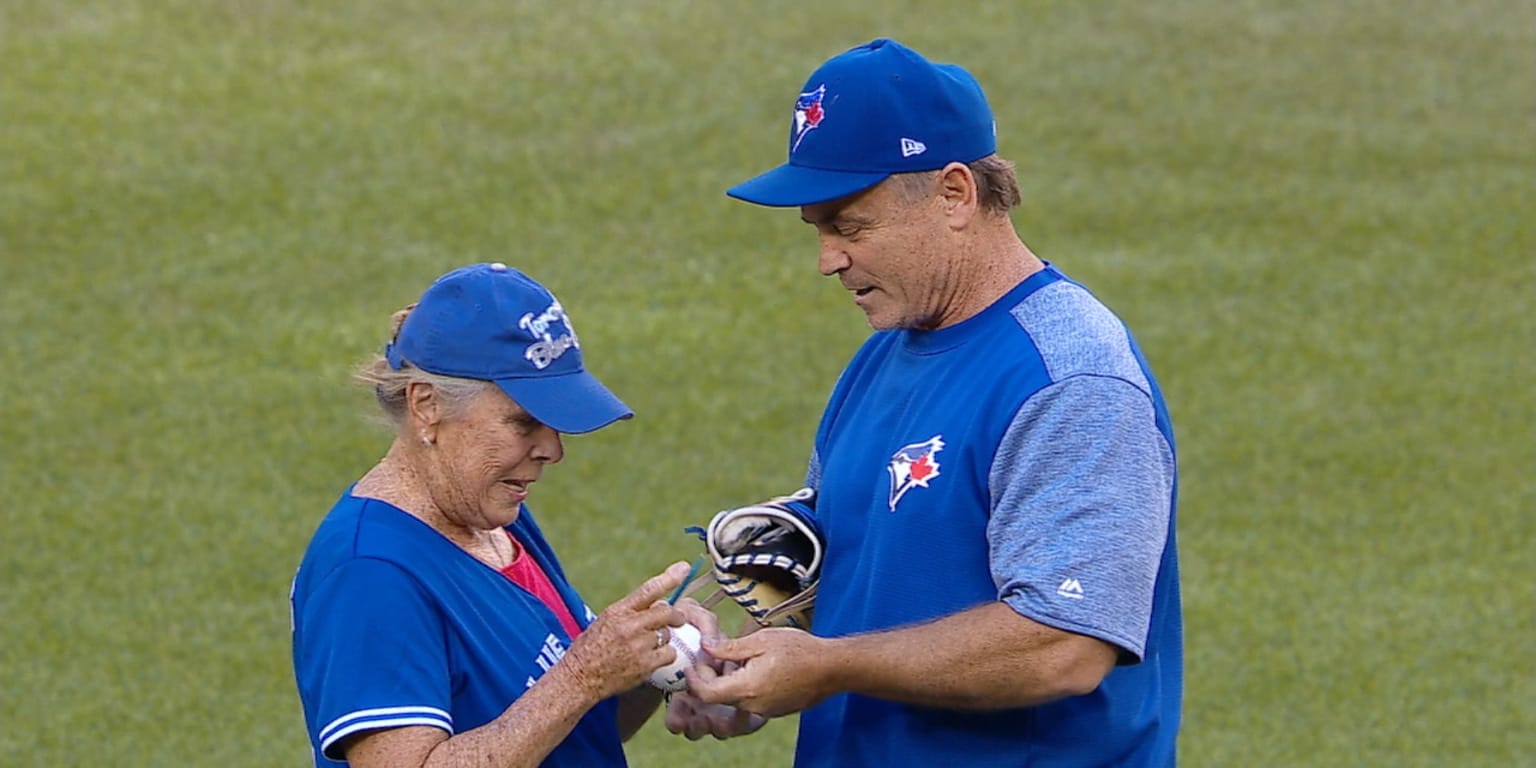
{"points": [[685, 641]]}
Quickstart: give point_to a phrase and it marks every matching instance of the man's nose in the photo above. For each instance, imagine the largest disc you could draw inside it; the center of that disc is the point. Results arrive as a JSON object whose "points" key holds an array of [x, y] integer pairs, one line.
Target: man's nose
{"points": [[833, 259]]}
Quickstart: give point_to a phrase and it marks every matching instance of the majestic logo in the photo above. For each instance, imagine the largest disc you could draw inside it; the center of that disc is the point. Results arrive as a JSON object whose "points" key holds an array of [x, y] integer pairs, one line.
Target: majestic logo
{"points": [[1071, 588], [914, 465], [549, 347], [808, 113]]}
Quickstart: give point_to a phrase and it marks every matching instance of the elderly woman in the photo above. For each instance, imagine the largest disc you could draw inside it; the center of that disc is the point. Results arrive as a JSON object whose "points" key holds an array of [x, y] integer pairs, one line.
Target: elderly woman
{"points": [[433, 625]]}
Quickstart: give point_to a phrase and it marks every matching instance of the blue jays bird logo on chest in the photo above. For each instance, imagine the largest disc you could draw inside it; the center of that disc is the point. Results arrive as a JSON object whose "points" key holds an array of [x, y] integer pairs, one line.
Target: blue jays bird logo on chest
{"points": [[914, 466], [808, 113]]}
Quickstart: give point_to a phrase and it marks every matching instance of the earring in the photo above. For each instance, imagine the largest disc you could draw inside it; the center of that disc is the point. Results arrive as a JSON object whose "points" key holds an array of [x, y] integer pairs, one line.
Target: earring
{"points": [[427, 441]]}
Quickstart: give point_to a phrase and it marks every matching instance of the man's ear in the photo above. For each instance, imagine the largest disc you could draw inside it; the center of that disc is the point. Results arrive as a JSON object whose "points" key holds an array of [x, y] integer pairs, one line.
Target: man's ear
{"points": [[957, 188]]}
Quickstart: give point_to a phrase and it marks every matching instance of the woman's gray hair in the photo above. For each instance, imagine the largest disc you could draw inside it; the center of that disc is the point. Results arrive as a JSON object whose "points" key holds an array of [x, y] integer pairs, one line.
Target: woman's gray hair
{"points": [[390, 385]]}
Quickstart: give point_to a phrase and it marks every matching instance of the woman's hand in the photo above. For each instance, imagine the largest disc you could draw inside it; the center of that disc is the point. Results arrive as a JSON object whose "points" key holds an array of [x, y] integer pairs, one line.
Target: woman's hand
{"points": [[629, 639], [700, 617]]}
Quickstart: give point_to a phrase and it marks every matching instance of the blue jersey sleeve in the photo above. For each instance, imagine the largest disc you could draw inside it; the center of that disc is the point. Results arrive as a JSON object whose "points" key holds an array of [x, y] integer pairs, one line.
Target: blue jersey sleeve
{"points": [[370, 654], [1082, 489]]}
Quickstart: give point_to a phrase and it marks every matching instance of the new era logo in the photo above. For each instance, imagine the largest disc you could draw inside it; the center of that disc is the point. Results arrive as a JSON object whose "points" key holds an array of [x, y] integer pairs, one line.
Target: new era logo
{"points": [[910, 147], [1070, 588]]}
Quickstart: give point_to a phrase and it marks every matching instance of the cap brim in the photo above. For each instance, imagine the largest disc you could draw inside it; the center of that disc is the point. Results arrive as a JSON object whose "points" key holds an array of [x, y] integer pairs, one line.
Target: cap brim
{"points": [[572, 403], [791, 186]]}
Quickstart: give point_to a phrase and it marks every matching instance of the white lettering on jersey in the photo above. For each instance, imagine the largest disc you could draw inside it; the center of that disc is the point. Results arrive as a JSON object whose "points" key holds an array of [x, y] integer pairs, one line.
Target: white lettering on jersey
{"points": [[551, 654]]}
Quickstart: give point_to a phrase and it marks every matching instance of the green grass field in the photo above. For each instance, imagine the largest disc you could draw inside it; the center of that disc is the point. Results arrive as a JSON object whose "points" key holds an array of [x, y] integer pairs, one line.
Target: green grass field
{"points": [[1319, 218]]}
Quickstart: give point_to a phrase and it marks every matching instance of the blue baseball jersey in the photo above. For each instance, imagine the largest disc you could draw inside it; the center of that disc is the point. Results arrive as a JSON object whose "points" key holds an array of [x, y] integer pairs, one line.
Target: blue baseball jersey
{"points": [[395, 625], [1025, 456]]}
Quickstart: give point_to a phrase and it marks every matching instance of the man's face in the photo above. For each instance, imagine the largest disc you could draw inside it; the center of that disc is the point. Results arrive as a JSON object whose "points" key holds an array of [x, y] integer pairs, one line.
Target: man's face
{"points": [[885, 245]]}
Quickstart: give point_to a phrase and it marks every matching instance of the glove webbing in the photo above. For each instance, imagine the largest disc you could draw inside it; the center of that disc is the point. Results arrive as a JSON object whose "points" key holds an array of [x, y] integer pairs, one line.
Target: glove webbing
{"points": [[799, 570], [759, 619], [741, 585]]}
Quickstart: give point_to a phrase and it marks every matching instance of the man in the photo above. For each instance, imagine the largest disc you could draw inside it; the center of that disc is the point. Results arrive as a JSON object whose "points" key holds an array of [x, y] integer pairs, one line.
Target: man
{"points": [[994, 472]]}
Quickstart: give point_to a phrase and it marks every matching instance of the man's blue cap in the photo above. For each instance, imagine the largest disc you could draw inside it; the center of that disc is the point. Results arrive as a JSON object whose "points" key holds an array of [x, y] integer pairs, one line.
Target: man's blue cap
{"points": [[872, 111], [494, 323]]}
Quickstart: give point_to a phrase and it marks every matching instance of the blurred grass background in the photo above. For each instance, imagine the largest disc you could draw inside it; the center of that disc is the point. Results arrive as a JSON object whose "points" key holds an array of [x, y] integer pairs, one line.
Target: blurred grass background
{"points": [[1318, 217]]}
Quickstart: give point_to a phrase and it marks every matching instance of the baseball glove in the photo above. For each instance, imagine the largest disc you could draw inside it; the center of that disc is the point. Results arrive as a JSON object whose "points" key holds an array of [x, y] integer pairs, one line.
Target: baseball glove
{"points": [[767, 557]]}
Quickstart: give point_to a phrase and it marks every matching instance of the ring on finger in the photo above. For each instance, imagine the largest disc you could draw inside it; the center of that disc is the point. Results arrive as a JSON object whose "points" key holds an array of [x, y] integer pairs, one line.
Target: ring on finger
{"points": [[661, 638]]}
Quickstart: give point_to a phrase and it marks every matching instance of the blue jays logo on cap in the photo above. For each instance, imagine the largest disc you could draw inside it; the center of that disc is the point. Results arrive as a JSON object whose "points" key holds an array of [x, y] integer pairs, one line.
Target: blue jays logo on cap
{"points": [[877, 109], [808, 113], [914, 466]]}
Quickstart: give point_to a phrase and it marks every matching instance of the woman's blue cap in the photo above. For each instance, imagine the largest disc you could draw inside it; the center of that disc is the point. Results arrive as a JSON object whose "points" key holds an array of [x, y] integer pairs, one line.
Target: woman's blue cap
{"points": [[494, 323]]}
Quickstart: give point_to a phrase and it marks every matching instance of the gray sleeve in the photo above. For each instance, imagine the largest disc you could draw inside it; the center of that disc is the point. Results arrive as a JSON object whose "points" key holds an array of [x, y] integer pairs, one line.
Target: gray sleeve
{"points": [[1082, 486]]}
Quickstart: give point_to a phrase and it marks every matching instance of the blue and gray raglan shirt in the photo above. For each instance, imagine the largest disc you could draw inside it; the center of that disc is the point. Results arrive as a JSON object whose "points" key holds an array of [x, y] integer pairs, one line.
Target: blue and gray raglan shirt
{"points": [[395, 625], [1026, 456]]}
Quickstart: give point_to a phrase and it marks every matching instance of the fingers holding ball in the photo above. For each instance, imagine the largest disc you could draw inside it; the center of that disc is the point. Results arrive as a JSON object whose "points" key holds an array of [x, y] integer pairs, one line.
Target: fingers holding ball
{"points": [[686, 644]]}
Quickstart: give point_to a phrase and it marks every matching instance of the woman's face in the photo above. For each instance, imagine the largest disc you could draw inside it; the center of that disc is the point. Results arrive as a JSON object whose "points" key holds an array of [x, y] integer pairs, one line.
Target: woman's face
{"points": [[486, 458]]}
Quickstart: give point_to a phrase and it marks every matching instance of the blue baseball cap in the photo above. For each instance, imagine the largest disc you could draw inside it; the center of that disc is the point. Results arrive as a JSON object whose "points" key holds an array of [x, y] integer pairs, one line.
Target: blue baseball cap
{"points": [[870, 112], [494, 323]]}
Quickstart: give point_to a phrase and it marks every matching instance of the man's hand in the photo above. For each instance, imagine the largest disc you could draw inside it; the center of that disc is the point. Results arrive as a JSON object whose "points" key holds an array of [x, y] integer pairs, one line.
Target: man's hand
{"points": [[770, 672], [690, 717]]}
